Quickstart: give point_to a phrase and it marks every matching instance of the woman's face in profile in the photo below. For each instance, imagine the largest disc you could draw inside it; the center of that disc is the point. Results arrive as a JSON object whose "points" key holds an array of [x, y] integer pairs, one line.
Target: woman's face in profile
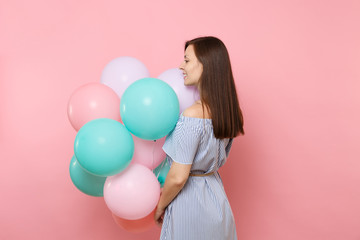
{"points": [[191, 67]]}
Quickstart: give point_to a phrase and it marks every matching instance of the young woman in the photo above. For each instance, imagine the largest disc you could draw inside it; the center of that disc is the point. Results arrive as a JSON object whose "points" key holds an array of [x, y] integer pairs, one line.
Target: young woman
{"points": [[193, 204]]}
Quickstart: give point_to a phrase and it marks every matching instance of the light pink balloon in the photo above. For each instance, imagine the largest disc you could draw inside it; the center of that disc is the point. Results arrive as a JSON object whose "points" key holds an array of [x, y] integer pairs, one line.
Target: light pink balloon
{"points": [[120, 72], [148, 153], [92, 101], [187, 95], [133, 193]]}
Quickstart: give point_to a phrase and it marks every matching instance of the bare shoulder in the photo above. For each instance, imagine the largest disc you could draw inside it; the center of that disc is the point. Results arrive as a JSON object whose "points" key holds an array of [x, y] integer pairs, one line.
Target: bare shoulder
{"points": [[195, 111]]}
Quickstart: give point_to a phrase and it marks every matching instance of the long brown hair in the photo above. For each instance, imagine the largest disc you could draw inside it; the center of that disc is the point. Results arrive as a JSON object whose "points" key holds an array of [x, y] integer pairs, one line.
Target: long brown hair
{"points": [[217, 87]]}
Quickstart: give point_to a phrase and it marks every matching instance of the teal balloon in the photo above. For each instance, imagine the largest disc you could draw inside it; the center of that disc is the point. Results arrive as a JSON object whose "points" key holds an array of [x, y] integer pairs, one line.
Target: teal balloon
{"points": [[149, 108], [161, 172], [104, 147], [84, 181]]}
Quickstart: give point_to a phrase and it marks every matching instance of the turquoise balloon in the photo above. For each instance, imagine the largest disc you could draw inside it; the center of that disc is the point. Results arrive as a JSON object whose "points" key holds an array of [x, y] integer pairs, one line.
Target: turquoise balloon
{"points": [[149, 108], [84, 181], [104, 147], [161, 172]]}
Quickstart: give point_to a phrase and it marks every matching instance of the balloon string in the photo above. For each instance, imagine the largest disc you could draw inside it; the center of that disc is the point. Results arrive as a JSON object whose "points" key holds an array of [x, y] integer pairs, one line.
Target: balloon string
{"points": [[153, 155], [162, 164]]}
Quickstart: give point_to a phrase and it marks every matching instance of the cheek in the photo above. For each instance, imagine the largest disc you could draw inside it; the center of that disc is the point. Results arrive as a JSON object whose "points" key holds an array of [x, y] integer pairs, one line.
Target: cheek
{"points": [[189, 70], [199, 71], [188, 67]]}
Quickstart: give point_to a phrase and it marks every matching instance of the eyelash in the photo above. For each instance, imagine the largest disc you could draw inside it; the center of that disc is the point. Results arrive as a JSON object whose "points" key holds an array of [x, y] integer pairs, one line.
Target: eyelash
{"points": [[186, 60]]}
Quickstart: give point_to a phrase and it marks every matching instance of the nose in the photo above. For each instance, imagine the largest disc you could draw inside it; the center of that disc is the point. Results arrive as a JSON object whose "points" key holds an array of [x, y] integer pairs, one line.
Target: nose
{"points": [[181, 67]]}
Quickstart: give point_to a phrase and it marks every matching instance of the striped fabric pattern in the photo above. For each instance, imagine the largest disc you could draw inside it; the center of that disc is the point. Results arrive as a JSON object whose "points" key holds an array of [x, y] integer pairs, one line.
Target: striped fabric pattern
{"points": [[201, 211]]}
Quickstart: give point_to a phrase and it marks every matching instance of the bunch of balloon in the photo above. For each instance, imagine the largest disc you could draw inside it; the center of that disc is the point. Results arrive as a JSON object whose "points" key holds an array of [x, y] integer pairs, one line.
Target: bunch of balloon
{"points": [[125, 163]]}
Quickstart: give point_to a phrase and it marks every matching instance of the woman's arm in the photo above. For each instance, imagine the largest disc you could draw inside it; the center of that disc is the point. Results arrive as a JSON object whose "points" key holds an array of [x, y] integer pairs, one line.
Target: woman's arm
{"points": [[174, 182]]}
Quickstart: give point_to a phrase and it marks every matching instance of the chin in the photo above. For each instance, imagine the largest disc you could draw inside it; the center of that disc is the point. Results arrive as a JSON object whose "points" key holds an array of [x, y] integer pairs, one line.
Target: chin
{"points": [[188, 84]]}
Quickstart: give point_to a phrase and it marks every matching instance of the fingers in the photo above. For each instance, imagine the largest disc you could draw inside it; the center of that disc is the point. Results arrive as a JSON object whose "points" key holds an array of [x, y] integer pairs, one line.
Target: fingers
{"points": [[159, 222], [159, 219]]}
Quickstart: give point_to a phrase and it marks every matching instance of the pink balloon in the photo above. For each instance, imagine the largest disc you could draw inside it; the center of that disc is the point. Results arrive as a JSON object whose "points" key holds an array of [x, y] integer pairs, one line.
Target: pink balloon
{"points": [[92, 101], [123, 71], [186, 95], [148, 153], [133, 193], [136, 226]]}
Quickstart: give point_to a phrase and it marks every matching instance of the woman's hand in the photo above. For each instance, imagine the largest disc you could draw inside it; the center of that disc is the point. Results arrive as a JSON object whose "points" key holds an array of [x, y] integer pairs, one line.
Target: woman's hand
{"points": [[159, 216], [174, 182]]}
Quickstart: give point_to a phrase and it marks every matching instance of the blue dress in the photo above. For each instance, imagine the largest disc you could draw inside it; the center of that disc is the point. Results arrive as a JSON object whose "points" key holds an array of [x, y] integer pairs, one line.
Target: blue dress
{"points": [[201, 210]]}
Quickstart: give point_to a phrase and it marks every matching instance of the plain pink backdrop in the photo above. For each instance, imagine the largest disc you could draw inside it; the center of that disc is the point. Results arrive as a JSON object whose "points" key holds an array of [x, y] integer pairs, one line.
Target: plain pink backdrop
{"points": [[295, 175]]}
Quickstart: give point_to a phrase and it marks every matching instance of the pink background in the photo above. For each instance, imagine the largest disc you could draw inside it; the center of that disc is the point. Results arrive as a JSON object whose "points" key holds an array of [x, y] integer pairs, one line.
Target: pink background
{"points": [[295, 175]]}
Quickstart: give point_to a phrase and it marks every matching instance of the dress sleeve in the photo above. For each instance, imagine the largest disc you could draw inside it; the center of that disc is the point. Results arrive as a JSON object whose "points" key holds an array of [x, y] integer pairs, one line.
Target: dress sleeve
{"points": [[228, 147], [181, 145]]}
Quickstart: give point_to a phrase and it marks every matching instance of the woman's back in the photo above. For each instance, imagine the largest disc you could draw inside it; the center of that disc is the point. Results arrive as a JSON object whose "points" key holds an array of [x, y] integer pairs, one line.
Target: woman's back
{"points": [[201, 210]]}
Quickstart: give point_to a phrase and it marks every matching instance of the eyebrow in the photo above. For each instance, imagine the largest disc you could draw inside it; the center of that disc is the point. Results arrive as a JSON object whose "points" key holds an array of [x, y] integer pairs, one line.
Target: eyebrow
{"points": [[186, 56]]}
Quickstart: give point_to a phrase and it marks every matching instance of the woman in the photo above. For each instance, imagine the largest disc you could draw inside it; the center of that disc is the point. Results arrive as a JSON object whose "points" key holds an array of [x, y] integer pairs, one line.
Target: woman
{"points": [[193, 204]]}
